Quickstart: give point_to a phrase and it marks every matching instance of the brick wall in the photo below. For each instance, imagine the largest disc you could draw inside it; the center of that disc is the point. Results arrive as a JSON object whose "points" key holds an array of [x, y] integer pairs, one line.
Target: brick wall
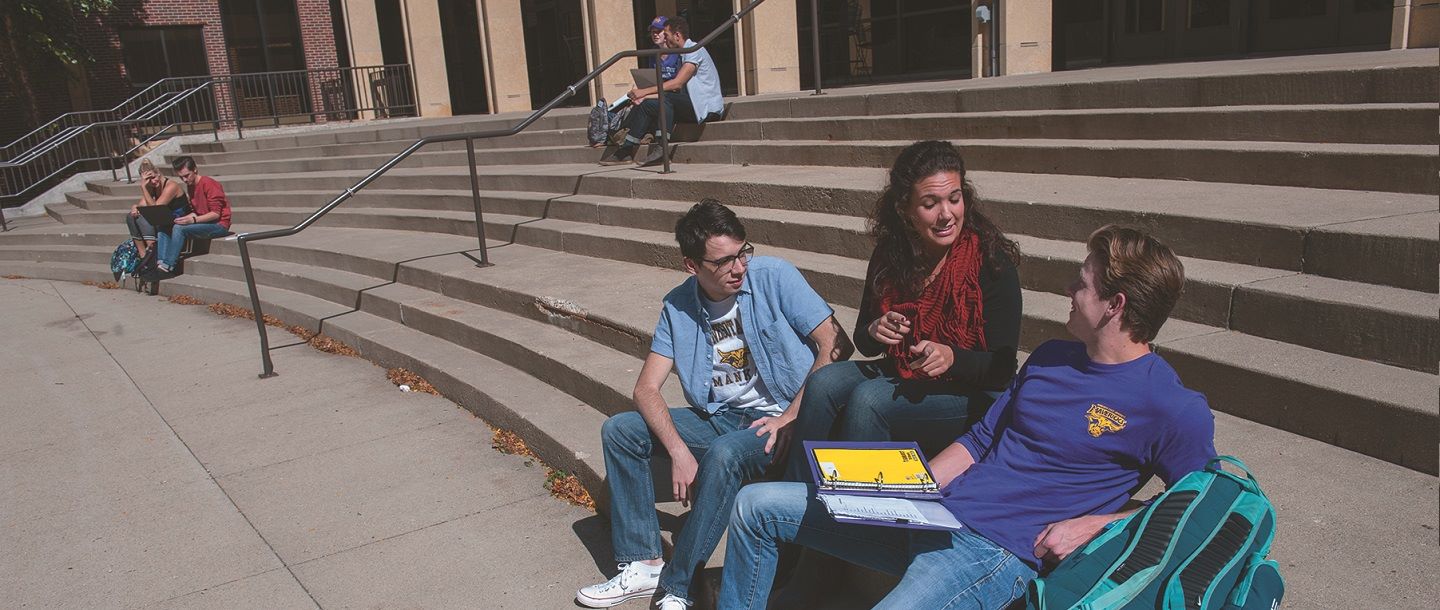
{"points": [[109, 82]]}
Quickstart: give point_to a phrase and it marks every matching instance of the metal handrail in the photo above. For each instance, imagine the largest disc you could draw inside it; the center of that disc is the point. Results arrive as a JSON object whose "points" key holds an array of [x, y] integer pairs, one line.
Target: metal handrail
{"points": [[61, 118], [243, 239], [109, 157]]}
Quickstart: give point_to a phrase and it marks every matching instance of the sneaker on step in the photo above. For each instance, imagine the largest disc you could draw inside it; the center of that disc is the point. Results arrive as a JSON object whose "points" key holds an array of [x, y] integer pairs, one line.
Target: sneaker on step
{"points": [[635, 580], [670, 602]]}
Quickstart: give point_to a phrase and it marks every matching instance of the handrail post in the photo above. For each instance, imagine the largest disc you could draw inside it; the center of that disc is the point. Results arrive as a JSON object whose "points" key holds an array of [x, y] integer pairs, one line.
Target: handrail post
{"points": [[815, 43], [266, 364], [661, 115], [475, 198]]}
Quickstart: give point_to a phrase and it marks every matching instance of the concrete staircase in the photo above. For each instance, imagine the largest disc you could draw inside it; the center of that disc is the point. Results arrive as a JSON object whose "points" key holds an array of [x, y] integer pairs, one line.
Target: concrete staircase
{"points": [[1300, 192]]}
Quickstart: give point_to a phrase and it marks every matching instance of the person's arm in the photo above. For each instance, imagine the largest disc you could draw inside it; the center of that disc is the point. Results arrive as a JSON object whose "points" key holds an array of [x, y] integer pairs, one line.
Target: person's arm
{"points": [[951, 463], [682, 76], [1058, 540], [652, 407], [992, 368], [831, 345], [865, 329], [212, 198], [1185, 446]]}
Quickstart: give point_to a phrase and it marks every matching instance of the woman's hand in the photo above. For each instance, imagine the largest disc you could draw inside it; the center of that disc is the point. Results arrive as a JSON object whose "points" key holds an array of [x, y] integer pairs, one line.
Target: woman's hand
{"points": [[931, 359], [135, 211], [890, 328]]}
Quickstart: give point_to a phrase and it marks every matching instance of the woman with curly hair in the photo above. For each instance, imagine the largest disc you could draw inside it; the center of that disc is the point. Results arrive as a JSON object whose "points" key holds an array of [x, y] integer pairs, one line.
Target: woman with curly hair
{"points": [[941, 305]]}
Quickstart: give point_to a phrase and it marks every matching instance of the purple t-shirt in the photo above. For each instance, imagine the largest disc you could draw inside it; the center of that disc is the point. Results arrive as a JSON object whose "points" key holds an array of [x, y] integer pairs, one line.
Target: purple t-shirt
{"points": [[1073, 437]]}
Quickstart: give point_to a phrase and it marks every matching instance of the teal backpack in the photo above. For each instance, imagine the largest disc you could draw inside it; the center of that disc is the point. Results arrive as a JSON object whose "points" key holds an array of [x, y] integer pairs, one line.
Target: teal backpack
{"points": [[1200, 546]]}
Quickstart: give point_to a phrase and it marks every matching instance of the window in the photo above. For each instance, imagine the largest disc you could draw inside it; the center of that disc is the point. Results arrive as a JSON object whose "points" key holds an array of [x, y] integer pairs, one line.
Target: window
{"points": [[1209, 13], [1296, 9], [155, 53], [1143, 16]]}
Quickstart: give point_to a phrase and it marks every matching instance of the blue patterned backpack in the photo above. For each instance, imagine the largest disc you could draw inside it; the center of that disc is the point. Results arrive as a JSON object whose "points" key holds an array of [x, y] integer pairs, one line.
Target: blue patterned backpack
{"points": [[125, 260], [1201, 545]]}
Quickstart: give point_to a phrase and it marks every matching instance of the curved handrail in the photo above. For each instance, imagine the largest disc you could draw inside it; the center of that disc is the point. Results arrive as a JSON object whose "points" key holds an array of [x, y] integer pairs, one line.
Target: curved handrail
{"points": [[243, 239]]}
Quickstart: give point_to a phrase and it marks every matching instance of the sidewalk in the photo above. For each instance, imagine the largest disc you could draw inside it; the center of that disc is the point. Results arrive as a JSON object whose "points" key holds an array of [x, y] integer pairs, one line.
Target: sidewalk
{"points": [[143, 465]]}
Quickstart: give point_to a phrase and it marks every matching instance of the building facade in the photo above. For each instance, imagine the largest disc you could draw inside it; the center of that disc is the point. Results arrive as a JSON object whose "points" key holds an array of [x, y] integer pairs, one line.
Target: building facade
{"points": [[493, 56]]}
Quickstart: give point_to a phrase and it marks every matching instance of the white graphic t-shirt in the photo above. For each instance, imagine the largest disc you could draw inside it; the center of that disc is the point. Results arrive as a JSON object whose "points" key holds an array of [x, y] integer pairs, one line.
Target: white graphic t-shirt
{"points": [[734, 380]]}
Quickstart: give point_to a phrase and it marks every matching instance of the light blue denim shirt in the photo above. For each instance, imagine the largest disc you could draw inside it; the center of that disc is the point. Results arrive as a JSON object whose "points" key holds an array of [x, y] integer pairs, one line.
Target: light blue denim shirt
{"points": [[704, 87], [778, 309]]}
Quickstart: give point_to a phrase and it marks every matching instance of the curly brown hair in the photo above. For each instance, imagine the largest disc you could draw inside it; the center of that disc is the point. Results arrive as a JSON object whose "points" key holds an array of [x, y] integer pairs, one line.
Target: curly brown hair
{"points": [[899, 261]]}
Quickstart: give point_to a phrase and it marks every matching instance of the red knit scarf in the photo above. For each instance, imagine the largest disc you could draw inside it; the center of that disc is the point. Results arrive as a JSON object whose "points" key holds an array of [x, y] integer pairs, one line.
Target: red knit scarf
{"points": [[949, 311]]}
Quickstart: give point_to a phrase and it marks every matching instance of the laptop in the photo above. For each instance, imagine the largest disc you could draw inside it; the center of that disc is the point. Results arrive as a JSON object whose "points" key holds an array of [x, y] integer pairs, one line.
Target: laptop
{"points": [[162, 217], [643, 77]]}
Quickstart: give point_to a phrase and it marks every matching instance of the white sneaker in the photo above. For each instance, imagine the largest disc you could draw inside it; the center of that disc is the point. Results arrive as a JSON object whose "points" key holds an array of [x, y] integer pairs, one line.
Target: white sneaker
{"points": [[670, 602], [635, 580]]}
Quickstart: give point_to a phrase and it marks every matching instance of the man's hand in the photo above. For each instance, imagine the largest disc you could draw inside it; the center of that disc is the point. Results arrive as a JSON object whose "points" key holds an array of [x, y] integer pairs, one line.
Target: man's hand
{"points": [[185, 220], [779, 429], [890, 328], [683, 468], [636, 95], [1058, 540], [931, 359]]}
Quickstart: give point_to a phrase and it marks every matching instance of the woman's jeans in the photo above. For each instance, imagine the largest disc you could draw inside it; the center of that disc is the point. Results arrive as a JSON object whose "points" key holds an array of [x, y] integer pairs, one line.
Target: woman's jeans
{"points": [[938, 569], [729, 453], [139, 227], [866, 401]]}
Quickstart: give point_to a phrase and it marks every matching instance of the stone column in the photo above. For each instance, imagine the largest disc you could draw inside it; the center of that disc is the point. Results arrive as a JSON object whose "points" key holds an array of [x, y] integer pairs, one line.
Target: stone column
{"points": [[771, 56], [426, 49], [1026, 36], [362, 32], [503, 38], [1415, 24], [612, 30]]}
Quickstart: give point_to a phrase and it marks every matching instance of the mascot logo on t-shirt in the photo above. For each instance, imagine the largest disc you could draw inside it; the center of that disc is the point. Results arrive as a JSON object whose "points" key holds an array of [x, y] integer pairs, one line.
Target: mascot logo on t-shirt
{"points": [[736, 358], [1103, 419]]}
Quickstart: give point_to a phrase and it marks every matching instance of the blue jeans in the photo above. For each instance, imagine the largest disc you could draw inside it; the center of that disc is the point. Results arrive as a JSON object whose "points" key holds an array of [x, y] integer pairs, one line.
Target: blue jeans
{"points": [[866, 401], [139, 227], [168, 245], [729, 454], [937, 570]]}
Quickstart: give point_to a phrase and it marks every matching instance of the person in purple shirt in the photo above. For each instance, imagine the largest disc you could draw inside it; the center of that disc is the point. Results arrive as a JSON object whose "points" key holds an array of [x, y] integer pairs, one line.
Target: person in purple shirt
{"points": [[1081, 428]]}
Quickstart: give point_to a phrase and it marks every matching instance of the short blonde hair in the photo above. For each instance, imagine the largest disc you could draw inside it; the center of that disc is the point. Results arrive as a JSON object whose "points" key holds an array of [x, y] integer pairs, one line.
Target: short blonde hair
{"points": [[146, 166]]}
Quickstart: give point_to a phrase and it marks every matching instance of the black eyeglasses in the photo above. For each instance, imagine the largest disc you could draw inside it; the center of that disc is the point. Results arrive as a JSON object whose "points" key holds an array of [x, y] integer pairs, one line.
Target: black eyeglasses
{"points": [[747, 252]]}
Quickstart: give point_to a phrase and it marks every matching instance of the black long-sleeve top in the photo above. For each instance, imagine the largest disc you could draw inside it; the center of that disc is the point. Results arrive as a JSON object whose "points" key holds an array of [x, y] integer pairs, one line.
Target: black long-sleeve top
{"points": [[990, 369]]}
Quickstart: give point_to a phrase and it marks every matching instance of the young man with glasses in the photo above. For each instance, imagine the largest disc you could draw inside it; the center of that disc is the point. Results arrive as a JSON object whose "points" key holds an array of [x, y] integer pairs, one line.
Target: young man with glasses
{"points": [[741, 333]]}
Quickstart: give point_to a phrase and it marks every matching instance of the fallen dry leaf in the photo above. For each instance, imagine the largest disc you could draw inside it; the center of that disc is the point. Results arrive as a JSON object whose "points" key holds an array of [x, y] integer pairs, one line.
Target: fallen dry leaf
{"points": [[399, 376]]}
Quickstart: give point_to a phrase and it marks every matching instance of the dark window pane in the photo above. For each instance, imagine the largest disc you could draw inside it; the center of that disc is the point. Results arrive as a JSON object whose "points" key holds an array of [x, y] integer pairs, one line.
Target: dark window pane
{"points": [[1144, 16], [1373, 6], [1296, 9], [144, 52], [936, 42], [1209, 13], [1081, 11]]}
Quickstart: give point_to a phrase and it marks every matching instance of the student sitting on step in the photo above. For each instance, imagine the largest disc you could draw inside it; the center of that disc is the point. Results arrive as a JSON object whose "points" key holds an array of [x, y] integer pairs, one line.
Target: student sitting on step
{"points": [[154, 190], [693, 96], [1083, 425], [741, 335], [211, 217], [941, 307]]}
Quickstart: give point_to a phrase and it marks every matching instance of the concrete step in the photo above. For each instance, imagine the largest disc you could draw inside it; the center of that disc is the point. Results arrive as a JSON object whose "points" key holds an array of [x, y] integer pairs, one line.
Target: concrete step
{"points": [[552, 354], [563, 431], [1383, 324], [1352, 123], [1367, 167], [392, 130], [1288, 386], [1380, 238], [1350, 78], [84, 255]]}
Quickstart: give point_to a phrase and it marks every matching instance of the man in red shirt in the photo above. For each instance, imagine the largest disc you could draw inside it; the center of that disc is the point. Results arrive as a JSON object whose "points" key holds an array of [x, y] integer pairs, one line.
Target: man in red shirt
{"points": [[211, 217]]}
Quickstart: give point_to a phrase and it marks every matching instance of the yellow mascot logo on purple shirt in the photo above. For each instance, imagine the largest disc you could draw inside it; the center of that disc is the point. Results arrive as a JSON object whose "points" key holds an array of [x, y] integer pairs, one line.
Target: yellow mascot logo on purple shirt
{"points": [[1103, 419]]}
